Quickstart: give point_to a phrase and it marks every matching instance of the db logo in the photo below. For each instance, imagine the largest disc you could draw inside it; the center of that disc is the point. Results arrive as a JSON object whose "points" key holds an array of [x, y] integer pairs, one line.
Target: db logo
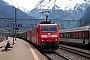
{"points": [[49, 35]]}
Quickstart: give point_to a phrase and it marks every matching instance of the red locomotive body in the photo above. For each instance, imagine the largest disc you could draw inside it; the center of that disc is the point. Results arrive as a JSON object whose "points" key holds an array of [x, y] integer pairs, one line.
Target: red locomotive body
{"points": [[46, 36]]}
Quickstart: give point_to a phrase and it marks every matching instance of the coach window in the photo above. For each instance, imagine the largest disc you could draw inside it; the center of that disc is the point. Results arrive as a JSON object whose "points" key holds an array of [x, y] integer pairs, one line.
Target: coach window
{"points": [[86, 35], [65, 35], [69, 35], [76, 34], [80, 34], [73, 35], [61, 35]]}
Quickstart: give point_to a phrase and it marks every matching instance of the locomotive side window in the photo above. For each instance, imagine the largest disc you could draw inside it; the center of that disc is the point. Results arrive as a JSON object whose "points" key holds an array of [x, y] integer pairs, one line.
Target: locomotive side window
{"points": [[48, 28]]}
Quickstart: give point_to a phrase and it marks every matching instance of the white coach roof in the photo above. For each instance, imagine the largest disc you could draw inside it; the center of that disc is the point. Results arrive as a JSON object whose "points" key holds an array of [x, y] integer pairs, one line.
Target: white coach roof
{"points": [[76, 29]]}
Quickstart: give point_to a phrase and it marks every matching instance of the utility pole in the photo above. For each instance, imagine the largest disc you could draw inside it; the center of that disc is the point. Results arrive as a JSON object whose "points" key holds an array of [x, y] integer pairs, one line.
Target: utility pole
{"points": [[14, 25]]}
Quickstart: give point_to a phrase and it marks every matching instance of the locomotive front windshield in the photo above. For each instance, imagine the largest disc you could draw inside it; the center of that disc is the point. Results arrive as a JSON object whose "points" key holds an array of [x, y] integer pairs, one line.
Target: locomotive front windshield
{"points": [[48, 28]]}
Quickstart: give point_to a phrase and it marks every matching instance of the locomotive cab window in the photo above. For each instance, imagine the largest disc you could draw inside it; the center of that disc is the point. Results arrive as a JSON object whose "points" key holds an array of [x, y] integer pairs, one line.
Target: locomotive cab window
{"points": [[48, 28]]}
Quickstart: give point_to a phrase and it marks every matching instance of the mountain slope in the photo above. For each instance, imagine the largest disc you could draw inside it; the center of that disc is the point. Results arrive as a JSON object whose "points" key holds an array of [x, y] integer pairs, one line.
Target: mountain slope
{"points": [[86, 18], [7, 11]]}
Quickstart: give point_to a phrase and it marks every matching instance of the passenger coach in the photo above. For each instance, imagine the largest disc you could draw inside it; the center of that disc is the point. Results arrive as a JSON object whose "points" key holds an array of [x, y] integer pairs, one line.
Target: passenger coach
{"points": [[76, 36]]}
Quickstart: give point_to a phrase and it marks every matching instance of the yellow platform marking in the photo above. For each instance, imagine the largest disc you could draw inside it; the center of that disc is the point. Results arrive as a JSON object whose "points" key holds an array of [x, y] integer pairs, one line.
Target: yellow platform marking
{"points": [[33, 52]]}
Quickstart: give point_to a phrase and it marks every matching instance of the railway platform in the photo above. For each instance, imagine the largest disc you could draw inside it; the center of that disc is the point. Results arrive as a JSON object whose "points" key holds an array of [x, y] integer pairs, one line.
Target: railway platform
{"points": [[21, 50]]}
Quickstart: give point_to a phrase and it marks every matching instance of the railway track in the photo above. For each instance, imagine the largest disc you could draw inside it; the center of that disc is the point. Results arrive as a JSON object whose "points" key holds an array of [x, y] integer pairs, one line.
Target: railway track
{"points": [[68, 53], [54, 56], [57, 55], [76, 53]]}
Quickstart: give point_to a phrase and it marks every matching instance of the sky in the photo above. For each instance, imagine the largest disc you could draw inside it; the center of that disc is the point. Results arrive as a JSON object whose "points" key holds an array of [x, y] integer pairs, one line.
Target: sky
{"points": [[30, 4]]}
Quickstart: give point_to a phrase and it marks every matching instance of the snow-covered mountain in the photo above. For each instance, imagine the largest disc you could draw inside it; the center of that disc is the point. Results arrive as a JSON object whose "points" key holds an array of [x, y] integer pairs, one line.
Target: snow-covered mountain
{"points": [[64, 4], [64, 9], [61, 10]]}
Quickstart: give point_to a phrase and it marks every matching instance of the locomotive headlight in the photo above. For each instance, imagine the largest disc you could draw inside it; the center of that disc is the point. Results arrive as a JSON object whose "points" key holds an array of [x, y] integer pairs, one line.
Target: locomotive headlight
{"points": [[42, 40], [56, 40]]}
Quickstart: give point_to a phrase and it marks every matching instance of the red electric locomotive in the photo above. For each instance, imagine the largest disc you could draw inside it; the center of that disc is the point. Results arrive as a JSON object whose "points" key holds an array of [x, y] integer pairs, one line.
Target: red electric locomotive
{"points": [[46, 36]]}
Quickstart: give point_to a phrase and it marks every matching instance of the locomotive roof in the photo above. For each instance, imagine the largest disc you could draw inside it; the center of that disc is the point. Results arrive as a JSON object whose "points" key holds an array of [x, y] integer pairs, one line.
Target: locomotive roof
{"points": [[46, 24], [75, 29]]}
